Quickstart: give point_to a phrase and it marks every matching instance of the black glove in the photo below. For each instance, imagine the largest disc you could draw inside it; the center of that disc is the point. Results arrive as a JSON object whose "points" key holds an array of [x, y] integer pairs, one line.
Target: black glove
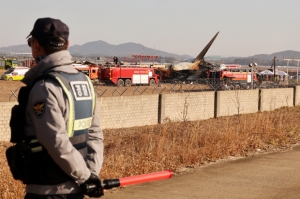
{"points": [[92, 186]]}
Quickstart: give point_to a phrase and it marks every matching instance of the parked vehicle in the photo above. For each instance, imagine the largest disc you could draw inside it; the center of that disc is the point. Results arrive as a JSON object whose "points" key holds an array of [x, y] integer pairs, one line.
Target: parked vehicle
{"points": [[7, 63], [129, 75], [89, 69], [238, 74], [13, 74], [30, 63]]}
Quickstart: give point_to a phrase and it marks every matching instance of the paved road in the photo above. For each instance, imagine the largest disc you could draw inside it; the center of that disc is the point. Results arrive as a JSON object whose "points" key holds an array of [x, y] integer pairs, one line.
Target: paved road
{"points": [[274, 175]]}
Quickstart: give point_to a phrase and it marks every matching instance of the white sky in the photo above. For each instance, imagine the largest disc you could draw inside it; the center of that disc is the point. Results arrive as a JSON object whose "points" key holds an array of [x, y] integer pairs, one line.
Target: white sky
{"points": [[176, 26]]}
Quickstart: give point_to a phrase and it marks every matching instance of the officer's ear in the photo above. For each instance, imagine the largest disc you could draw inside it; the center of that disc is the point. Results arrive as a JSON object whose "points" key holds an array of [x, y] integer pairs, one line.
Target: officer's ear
{"points": [[36, 49], [35, 45]]}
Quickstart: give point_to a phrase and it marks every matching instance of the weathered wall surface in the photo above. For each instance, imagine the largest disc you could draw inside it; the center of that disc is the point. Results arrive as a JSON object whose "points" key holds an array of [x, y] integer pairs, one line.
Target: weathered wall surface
{"points": [[236, 102], [115, 112], [5, 113], [187, 106], [297, 96], [128, 111], [271, 99], [140, 110]]}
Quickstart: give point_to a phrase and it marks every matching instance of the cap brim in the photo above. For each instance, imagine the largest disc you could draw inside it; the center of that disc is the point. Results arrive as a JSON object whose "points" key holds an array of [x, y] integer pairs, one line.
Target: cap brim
{"points": [[30, 34]]}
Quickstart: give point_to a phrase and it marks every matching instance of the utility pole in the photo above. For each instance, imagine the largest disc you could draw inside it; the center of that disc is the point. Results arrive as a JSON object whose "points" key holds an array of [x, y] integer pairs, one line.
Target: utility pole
{"points": [[274, 61], [252, 65]]}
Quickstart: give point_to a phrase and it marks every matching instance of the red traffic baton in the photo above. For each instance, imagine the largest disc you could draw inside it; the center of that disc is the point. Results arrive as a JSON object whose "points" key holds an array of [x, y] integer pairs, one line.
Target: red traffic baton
{"points": [[161, 175]]}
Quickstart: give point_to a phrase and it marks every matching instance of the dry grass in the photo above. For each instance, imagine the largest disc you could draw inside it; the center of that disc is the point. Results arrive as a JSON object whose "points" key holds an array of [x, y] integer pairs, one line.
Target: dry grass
{"points": [[175, 145], [138, 150], [9, 188]]}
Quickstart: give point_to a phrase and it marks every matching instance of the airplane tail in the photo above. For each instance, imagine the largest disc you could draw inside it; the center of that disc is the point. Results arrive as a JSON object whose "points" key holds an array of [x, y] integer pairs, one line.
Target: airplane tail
{"points": [[204, 51]]}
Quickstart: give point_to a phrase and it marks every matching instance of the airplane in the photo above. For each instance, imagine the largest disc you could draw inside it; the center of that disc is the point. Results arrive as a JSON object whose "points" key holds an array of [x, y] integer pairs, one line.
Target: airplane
{"points": [[198, 61], [183, 70]]}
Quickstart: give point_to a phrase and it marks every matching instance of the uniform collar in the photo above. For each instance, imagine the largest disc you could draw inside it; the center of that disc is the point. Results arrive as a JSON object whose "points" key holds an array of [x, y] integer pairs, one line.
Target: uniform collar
{"points": [[48, 63]]}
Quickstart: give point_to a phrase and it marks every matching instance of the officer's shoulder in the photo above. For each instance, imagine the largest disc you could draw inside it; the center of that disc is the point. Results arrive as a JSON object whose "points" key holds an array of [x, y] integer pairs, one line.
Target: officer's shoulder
{"points": [[47, 82]]}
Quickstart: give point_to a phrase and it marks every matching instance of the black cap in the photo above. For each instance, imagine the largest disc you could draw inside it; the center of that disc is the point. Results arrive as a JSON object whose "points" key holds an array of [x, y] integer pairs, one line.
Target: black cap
{"points": [[50, 32]]}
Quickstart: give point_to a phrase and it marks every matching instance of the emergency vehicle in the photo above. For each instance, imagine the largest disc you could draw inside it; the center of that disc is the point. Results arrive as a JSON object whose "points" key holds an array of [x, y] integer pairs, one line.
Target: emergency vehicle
{"points": [[127, 76], [235, 78], [7, 63], [238, 74], [229, 66], [14, 73], [29, 63], [89, 69]]}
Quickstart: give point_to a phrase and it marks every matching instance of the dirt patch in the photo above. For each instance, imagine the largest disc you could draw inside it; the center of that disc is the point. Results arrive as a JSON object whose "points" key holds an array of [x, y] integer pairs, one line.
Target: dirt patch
{"points": [[10, 89]]}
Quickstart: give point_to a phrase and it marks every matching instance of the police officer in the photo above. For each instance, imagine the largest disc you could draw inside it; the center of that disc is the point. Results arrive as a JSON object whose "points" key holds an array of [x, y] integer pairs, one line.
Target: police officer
{"points": [[62, 125]]}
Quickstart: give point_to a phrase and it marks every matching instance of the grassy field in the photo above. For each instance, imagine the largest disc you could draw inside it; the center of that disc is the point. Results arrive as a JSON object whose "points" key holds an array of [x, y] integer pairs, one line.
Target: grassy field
{"points": [[175, 146]]}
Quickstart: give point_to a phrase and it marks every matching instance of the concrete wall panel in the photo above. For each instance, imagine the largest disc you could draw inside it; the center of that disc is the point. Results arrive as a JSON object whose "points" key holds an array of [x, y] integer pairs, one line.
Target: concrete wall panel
{"points": [[5, 114], [236, 102], [275, 98], [187, 106], [128, 111]]}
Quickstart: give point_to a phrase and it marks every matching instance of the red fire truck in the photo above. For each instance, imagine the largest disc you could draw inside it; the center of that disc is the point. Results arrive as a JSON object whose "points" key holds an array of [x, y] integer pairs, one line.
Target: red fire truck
{"points": [[238, 74], [235, 78], [91, 70], [126, 76], [29, 63]]}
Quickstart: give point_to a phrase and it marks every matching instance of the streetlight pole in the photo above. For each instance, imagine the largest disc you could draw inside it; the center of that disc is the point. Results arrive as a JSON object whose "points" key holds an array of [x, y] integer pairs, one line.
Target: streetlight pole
{"points": [[297, 60], [287, 66], [252, 65], [252, 76]]}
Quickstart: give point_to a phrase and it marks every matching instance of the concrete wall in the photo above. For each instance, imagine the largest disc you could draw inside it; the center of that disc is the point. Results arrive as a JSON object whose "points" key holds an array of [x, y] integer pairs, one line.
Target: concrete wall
{"points": [[5, 113], [297, 96], [128, 111], [141, 110], [271, 99], [187, 106], [237, 102]]}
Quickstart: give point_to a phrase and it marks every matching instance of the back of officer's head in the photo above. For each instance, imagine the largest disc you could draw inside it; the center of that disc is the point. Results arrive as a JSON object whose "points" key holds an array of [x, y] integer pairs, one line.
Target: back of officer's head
{"points": [[51, 34]]}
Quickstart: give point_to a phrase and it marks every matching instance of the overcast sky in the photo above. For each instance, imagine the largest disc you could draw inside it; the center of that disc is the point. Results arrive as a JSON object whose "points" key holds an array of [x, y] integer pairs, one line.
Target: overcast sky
{"points": [[176, 26]]}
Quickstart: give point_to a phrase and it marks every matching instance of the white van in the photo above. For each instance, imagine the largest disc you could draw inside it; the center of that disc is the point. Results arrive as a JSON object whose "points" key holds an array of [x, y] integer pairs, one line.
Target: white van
{"points": [[16, 73]]}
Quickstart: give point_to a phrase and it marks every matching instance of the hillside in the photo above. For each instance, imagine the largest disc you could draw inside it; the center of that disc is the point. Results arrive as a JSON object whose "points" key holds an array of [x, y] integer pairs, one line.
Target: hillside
{"points": [[102, 48], [264, 59], [279, 55]]}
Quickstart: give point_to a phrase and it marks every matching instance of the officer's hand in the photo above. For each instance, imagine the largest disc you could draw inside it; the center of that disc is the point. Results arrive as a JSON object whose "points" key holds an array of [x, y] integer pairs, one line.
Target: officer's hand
{"points": [[96, 194], [92, 186]]}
